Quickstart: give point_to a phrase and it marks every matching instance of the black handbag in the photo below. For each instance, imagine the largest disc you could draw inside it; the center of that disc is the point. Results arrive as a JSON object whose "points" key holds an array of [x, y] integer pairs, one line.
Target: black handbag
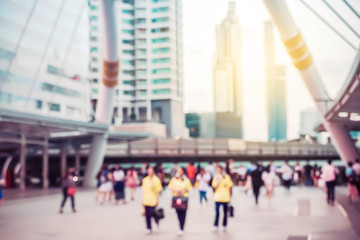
{"points": [[179, 203], [159, 214]]}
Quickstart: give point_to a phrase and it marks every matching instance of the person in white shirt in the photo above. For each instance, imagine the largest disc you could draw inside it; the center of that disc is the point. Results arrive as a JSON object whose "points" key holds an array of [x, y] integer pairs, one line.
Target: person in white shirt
{"points": [[119, 187], [210, 169], [242, 172], [286, 175], [269, 179], [329, 173], [203, 180]]}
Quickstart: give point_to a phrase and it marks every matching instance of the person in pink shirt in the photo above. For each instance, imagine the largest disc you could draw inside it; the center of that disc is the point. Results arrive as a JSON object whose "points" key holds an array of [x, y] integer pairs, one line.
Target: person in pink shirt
{"points": [[329, 173]]}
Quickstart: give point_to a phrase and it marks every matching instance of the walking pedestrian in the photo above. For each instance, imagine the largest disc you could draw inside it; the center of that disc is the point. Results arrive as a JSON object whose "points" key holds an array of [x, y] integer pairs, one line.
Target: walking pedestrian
{"points": [[257, 182], [329, 172], [132, 182], [191, 173], [269, 179], [286, 175], [151, 186], [180, 187], [307, 173], [351, 183], [222, 195], [298, 176], [203, 180], [2, 183], [316, 175], [119, 186], [68, 188], [356, 168]]}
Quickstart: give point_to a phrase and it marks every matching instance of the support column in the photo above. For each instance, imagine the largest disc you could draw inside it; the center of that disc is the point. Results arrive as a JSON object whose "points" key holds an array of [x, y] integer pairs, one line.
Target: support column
{"points": [[107, 90], [23, 162], [303, 61], [63, 159], [148, 110], [77, 159], [45, 167]]}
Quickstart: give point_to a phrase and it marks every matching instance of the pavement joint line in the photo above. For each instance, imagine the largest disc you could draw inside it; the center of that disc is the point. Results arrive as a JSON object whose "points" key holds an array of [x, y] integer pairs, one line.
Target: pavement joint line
{"points": [[341, 209]]}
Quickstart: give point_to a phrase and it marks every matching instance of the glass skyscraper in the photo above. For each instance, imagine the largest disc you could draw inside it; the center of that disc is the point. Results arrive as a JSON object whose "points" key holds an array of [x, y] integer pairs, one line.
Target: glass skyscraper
{"points": [[44, 54], [275, 89]]}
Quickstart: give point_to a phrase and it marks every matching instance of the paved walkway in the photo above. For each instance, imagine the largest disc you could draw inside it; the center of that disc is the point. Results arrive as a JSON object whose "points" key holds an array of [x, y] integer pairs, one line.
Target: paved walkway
{"points": [[302, 214]]}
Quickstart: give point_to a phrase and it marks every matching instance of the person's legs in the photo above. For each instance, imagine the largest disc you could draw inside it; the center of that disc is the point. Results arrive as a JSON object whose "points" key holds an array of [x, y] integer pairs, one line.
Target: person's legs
{"points": [[256, 190], [73, 202], [181, 216], [149, 213], [202, 196], [225, 207], [330, 191], [205, 197], [65, 195], [217, 208]]}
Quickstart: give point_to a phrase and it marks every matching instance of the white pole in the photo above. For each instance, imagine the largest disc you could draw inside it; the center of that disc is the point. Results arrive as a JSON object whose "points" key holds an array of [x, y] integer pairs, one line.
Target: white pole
{"points": [[104, 107], [303, 61]]}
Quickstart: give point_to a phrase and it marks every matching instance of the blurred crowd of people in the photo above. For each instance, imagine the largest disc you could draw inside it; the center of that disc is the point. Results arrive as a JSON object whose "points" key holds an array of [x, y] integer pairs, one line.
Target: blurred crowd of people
{"points": [[217, 177]]}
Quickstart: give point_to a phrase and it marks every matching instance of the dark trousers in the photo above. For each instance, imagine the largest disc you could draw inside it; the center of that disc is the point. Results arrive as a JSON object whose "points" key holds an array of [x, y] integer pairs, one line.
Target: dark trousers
{"points": [[65, 195], [202, 196], [358, 185], [287, 184], [181, 216], [217, 211], [256, 190], [149, 213], [330, 191]]}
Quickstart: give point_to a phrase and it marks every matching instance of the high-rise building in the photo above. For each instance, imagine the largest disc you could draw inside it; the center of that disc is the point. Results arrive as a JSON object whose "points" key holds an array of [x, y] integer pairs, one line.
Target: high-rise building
{"points": [[44, 54], [309, 120], [275, 89], [150, 52], [227, 72]]}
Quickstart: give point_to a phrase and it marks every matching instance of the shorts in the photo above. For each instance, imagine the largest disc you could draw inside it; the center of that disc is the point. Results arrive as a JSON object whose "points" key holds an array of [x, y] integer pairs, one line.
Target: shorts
{"points": [[106, 187]]}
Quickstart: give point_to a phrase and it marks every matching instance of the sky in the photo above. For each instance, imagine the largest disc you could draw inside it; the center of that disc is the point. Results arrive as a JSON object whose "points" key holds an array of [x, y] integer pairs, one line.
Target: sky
{"points": [[332, 56]]}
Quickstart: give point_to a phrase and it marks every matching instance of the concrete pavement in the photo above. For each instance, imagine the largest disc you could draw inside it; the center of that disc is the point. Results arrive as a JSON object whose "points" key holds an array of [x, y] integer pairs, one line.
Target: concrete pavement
{"points": [[302, 214]]}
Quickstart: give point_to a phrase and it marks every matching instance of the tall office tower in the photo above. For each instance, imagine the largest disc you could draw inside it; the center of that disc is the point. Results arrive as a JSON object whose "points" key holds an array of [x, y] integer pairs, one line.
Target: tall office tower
{"points": [[44, 58], [309, 120], [275, 89], [227, 70], [150, 51]]}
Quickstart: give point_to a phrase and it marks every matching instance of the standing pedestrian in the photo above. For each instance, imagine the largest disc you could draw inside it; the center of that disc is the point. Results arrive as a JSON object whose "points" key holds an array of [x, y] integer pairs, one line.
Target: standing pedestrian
{"points": [[203, 180], [329, 172], [222, 195], [351, 183], [307, 173], [356, 168], [107, 186], [316, 175], [132, 182], [68, 188], [191, 173], [298, 173], [180, 187], [151, 186], [257, 182], [269, 179], [286, 175], [119, 186]]}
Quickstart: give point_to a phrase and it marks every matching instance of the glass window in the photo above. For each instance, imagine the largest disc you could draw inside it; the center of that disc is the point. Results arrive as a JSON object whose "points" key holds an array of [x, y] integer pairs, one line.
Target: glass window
{"points": [[129, 72], [4, 54], [38, 104], [161, 40], [5, 97], [95, 91], [93, 18], [161, 50], [59, 90], [127, 21], [140, 20], [161, 91], [163, 19], [128, 11], [160, 30], [161, 60], [95, 80], [128, 31], [92, 7], [54, 70], [128, 62], [155, 1], [128, 1], [94, 28], [128, 82], [93, 49], [54, 107], [161, 70], [161, 81], [161, 9], [141, 71], [130, 52], [131, 42]]}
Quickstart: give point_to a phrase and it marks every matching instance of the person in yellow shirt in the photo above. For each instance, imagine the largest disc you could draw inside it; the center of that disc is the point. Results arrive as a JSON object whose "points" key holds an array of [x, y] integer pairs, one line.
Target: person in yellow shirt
{"points": [[180, 187], [222, 185], [151, 188]]}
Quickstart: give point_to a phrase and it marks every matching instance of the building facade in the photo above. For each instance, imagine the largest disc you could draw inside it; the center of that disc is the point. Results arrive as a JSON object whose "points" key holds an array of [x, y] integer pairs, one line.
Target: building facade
{"points": [[309, 120], [275, 89], [44, 58], [149, 35], [227, 72]]}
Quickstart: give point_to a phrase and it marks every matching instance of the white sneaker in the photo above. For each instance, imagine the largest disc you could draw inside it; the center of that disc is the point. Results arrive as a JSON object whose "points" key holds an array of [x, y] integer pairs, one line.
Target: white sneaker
{"points": [[148, 232], [181, 233], [215, 229], [224, 229]]}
